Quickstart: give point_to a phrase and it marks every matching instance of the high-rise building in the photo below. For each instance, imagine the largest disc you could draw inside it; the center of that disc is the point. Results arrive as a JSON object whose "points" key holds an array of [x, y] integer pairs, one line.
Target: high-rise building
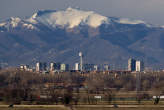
{"points": [[41, 66], [38, 66], [54, 66], [81, 61], [64, 67], [77, 66], [57, 66], [106, 67], [95, 67], [139, 66], [131, 64]]}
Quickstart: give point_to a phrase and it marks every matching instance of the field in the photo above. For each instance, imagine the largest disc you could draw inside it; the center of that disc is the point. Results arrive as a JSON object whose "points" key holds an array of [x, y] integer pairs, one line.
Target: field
{"points": [[84, 107]]}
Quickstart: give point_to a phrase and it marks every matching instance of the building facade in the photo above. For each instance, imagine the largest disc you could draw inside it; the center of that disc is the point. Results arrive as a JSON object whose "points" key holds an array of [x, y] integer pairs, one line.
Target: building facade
{"points": [[77, 66], [96, 68], [139, 66], [106, 67], [41, 66], [131, 64], [55, 66], [64, 67]]}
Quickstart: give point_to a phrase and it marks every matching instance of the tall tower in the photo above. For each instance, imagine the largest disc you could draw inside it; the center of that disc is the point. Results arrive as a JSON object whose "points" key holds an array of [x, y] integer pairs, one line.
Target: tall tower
{"points": [[81, 61], [106, 67], [52, 67], [139, 66], [131, 64], [38, 66], [77, 66], [95, 67], [41, 66]]}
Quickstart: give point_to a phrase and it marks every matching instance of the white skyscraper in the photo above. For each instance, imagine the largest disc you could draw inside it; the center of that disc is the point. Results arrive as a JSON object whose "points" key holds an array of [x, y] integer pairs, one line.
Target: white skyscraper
{"points": [[95, 67], [52, 66], [106, 67], [38, 67], [76, 66], [41, 66], [81, 61], [139, 66]]}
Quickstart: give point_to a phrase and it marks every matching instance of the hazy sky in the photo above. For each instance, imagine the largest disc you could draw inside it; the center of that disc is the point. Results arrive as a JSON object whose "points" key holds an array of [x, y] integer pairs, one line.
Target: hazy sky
{"points": [[151, 11]]}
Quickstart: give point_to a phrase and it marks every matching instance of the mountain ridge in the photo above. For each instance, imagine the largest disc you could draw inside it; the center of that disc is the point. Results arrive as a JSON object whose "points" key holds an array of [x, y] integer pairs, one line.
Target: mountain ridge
{"points": [[72, 18], [113, 42]]}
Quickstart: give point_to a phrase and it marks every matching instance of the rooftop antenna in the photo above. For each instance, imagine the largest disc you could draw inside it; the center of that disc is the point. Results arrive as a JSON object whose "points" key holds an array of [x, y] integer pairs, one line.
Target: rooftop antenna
{"points": [[81, 61]]}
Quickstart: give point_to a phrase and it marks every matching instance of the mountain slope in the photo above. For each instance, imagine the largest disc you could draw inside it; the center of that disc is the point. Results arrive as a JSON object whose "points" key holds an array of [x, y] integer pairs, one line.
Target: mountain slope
{"points": [[59, 35]]}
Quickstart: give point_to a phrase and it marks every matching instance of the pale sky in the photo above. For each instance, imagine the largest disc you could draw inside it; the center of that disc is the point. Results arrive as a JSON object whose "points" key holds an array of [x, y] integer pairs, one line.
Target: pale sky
{"points": [[151, 11]]}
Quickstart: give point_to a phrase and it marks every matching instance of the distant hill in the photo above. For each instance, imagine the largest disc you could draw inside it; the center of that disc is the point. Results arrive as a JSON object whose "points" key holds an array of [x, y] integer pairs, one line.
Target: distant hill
{"points": [[58, 36]]}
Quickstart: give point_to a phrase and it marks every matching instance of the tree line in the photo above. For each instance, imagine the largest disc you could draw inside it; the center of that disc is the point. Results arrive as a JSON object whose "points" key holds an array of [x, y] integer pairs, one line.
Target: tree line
{"points": [[17, 86]]}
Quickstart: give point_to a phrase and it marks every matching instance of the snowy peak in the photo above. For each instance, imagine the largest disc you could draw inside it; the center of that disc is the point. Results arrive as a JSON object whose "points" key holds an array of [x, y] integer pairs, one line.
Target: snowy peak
{"points": [[15, 22], [69, 18], [32, 19], [12, 21]]}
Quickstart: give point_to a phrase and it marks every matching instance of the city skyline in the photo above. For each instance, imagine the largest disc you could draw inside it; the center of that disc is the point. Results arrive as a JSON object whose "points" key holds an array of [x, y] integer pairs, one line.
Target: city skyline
{"points": [[59, 35], [81, 54]]}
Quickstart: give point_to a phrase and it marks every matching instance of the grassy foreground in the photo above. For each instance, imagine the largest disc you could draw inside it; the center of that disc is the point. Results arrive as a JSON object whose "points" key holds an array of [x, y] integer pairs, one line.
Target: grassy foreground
{"points": [[81, 109], [84, 107]]}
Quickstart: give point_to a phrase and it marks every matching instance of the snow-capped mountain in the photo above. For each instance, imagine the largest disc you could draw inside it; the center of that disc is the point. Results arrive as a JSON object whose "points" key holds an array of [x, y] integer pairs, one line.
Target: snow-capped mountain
{"points": [[50, 35], [16, 22], [69, 18]]}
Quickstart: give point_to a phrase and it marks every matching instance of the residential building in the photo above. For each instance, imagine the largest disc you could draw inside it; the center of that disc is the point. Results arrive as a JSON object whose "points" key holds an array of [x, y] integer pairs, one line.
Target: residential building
{"points": [[77, 66], [106, 67], [41, 66], [64, 67], [131, 64], [96, 67], [54, 66], [139, 66]]}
